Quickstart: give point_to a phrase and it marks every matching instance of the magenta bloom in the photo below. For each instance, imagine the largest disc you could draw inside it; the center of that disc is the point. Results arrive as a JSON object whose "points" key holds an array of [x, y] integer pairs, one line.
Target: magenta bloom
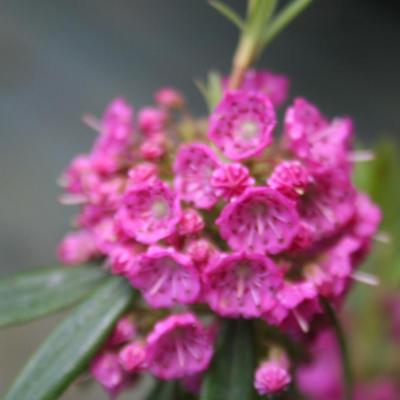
{"points": [[272, 377], [116, 136], [165, 278], [169, 97], [76, 248], [152, 120], [107, 371], [124, 331], [327, 204], [241, 125], [143, 172], [315, 141], [179, 346], [132, 357], [260, 220], [191, 222], [241, 285], [194, 166], [275, 86], [149, 212], [231, 180], [321, 379], [290, 178]]}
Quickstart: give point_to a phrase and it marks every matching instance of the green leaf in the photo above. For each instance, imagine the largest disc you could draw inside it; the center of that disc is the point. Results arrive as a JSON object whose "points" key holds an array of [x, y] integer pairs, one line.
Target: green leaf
{"points": [[68, 350], [32, 294], [228, 12], [230, 376], [282, 20], [212, 90]]}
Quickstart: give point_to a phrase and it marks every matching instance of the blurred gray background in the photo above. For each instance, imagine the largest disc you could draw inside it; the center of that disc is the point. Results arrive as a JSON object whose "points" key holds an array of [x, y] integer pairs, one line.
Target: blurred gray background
{"points": [[62, 58]]}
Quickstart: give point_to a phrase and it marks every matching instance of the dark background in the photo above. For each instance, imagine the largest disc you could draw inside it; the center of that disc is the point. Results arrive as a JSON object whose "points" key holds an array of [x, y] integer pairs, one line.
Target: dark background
{"points": [[62, 58]]}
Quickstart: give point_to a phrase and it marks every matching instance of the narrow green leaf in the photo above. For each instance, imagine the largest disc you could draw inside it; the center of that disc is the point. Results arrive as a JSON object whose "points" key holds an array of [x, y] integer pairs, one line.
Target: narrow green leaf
{"points": [[68, 350], [228, 12], [214, 89], [32, 294], [282, 20], [230, 376]]}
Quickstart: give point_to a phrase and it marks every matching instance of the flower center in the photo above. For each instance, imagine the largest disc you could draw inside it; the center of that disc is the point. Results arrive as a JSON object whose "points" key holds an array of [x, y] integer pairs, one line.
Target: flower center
{"points": [[248, 129], [159, 209]]}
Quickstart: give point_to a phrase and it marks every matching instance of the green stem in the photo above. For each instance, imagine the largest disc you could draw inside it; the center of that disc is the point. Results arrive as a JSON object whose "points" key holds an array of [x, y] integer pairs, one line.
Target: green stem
{"points": [[280, 22], [345, 358]]}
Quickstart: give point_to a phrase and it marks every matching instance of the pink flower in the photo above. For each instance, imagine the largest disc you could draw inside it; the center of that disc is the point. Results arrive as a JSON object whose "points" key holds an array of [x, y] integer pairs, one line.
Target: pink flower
{"points": [[315, 141], [321, 379], [169, 97], [241, 125], [116, 136], [165, 278], [191, 222], [124, 331], [121, 257], [194, 166], [327, 204], [290, 178], [272, 377], [200, 251], [149, 212], [154, 147], [241, 285], [231, 180], [367, 218], [142, 173], [260, 220], [275, 86], [152, 120], [296, 305], [106, 370], [132, 357], [179, 346], [76, 248]]}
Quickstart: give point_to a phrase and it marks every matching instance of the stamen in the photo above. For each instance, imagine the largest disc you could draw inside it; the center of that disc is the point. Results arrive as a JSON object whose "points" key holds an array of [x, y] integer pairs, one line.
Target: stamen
{"points": [[361, 156], [92, 122], [301, 321], [274, 230], [72, 199], [383, 237], [181, 354], [365, 277], [240, 286], [160, 281], [255, 296]]}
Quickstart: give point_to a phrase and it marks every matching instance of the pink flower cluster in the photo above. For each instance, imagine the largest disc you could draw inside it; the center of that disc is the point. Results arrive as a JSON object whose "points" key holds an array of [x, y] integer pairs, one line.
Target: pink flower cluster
{"points": [[251, 225]]}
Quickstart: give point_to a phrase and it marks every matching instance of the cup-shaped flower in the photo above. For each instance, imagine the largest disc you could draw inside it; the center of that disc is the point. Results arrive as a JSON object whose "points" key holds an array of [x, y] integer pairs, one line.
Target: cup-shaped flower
{"points": [[179, 346], [241, 125], [241, 285], [194, 166], [165, 277], [149, 212], [260, 220]]}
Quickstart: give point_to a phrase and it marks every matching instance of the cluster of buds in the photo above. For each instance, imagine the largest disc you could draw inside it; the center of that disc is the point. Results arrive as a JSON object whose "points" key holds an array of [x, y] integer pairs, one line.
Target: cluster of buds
{"points": [[222, 214]]}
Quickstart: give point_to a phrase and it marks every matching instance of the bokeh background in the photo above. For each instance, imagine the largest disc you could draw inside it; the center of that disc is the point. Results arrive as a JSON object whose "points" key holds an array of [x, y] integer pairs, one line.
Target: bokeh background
{"points": [[62, 58]]}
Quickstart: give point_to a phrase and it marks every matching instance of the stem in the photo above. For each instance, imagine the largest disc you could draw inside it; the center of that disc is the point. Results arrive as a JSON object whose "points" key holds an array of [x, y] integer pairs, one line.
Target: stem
{"points": [[280, 22], [340, 337], [259, 13]]}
